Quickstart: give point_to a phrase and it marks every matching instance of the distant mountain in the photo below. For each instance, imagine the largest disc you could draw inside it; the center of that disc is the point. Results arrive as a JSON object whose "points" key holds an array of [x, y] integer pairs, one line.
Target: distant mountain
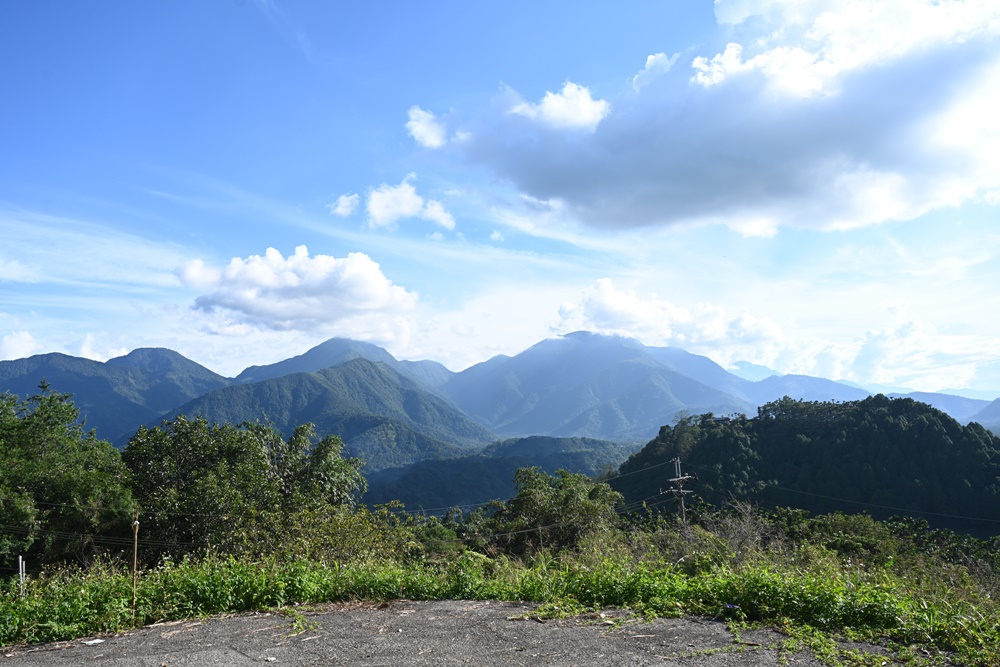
{"points": [[577, 385], [474, 479], [382, 416], [959, 407], [118, 396], [805, 388], [587, 385], [751, 372], [335, 352], [989, 416]]}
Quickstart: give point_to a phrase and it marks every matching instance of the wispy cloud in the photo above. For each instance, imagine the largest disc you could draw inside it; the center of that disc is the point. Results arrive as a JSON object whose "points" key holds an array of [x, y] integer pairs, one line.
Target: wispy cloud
{"points": [[69, 251]]}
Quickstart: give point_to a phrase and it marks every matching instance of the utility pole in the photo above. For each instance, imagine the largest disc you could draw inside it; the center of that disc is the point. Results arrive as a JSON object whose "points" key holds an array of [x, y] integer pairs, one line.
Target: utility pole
{"points": [[678, 489]]}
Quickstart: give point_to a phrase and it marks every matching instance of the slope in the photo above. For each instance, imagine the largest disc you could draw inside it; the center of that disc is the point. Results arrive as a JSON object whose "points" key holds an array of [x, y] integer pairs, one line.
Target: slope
{"points": [[118, 396], [335, 352], [383, 417], [582, 384], [435, 486]]}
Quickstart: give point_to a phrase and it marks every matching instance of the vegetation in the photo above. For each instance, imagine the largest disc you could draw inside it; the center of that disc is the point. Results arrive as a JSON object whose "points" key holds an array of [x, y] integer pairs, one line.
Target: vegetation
{"points": [[239, 517], [882, 455], [489, 473], [60, 487], [197, 480]]}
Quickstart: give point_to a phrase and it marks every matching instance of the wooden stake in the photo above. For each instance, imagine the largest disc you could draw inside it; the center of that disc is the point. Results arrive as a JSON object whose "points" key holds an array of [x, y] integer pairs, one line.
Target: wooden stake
{"points": [[135, 561]]}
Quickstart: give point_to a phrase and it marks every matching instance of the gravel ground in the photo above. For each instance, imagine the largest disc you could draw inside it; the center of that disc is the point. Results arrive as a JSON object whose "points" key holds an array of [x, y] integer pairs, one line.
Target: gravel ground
{"points": [[454, 632]]}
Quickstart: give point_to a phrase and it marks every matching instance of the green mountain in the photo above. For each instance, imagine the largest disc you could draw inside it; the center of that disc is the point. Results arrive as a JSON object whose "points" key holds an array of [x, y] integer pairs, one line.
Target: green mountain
{"points": [[881, 455], [382, 416], [474, 479], [118, 396], [335, 352]]}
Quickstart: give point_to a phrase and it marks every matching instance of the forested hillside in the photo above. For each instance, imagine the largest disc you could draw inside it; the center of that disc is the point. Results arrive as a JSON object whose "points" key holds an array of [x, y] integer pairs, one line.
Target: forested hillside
{"points": [[880, 455], [383, 417]]}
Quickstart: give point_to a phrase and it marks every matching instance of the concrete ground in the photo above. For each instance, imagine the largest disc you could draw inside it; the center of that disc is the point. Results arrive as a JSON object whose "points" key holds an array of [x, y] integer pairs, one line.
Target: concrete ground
{"points": [[491, 634]]}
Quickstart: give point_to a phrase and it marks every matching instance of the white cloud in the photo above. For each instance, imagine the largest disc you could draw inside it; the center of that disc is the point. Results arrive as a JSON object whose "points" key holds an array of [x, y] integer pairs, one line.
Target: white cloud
{"points": [[656, 65], [387, 204], [572, 107], [907, 352], [92, 348], [435, 212], [320, 293], [345, 206], [19, 344], [605, 308], [808, 118], [425, 128], [807, 46], [195, 273], [14, 271], [496, 236]]}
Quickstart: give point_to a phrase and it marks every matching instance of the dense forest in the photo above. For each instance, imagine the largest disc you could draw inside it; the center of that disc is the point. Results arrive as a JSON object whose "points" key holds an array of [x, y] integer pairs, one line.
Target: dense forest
{"points": [[879, 455]]}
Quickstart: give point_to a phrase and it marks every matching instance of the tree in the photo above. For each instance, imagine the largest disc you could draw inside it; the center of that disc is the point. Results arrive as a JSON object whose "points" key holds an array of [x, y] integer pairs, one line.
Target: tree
{"points": [[552, 512], [235, 488], [63, 492]]}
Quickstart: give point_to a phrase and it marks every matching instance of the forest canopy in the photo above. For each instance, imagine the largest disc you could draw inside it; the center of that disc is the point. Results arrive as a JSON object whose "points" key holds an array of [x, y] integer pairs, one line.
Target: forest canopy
{"points": [[880, 455]]}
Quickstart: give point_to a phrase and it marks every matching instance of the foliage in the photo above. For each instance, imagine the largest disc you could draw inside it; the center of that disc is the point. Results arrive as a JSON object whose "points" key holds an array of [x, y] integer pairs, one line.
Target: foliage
{"points": [[489, 473], [382, 416], [875, 454], [229, 486], [549, 512], [60, 487]]}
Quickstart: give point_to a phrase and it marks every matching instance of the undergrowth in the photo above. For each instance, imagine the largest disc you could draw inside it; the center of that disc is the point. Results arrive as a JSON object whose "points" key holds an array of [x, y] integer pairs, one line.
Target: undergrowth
{"points": [[875, 605]]}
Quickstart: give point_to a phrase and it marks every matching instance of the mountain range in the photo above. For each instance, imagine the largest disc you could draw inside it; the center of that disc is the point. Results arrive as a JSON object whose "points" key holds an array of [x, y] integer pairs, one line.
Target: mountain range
{"points": [[396, 413]]}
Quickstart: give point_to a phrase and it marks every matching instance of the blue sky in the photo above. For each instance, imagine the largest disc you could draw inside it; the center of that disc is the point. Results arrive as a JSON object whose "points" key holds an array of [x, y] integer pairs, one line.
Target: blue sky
{"points": [[811, 186]]}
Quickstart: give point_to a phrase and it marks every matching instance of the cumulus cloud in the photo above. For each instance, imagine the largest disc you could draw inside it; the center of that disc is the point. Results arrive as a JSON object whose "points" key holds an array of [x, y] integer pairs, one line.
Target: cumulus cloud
{"points": [[656, 65], [572, 107], [345, 206], [805, 46], [299, 292], [99, 350], [19, 344], [388, 204], [808, 114], [425, 128], [605, 308]]}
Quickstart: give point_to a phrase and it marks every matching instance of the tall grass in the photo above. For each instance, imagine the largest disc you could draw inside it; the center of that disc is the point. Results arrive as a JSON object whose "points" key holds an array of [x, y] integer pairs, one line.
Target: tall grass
{"points": [[73, 603], [739, 567]]}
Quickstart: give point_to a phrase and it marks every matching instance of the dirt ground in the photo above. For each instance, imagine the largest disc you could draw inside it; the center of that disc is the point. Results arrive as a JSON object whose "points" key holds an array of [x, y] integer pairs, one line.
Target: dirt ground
{"points": [[492, 634]]}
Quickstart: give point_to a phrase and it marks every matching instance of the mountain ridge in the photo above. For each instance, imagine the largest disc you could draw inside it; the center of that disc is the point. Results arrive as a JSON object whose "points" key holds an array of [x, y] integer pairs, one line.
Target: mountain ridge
{"points": [[582, 384]]}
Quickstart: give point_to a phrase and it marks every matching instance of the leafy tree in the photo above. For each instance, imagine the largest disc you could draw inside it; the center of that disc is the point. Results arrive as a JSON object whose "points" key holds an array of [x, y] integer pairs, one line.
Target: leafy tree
{"points": [[235, 488], [551, 512], [63, 492]]}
